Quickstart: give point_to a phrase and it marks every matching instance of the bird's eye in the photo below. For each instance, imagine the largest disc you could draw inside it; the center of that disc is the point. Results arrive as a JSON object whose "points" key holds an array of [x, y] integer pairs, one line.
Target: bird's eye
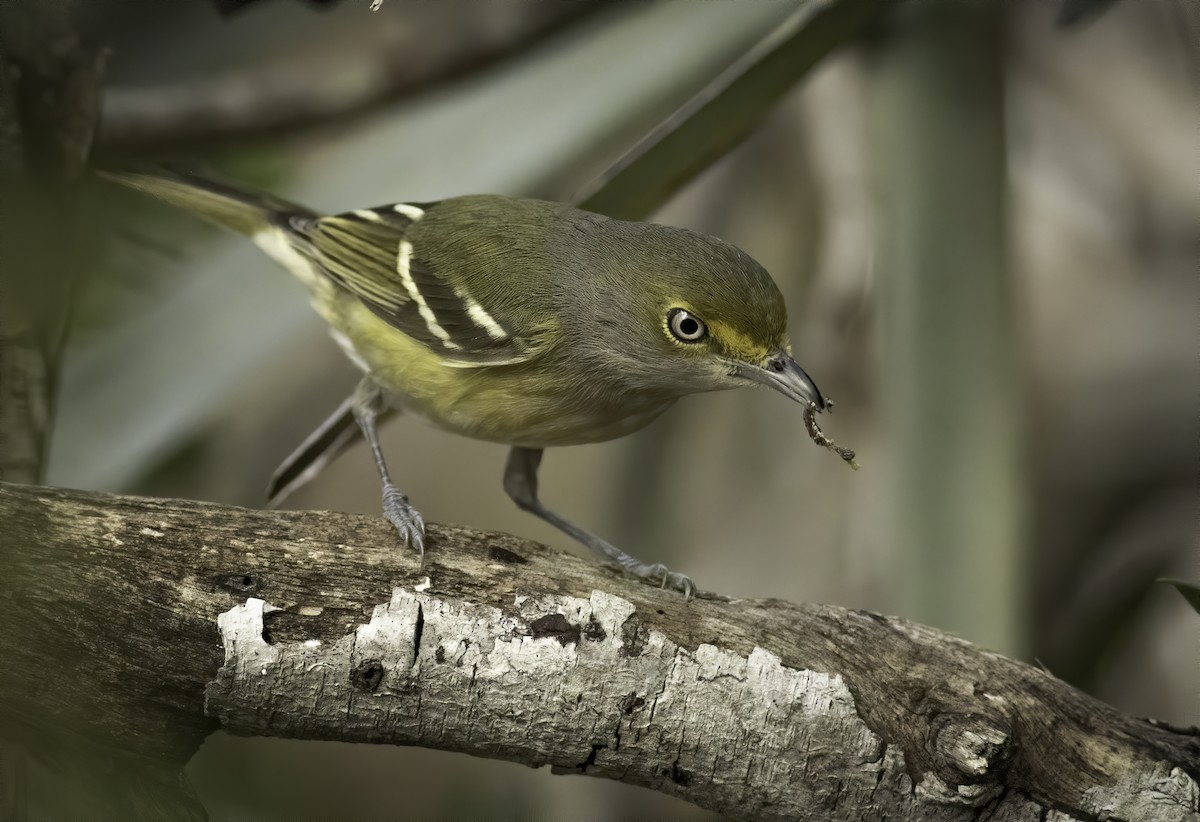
{"points": [[685, 327]]}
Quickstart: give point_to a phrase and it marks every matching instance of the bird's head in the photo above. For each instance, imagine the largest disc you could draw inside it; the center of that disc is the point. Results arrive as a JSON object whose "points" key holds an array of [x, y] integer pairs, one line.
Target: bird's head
{"points": [[690, 313]]}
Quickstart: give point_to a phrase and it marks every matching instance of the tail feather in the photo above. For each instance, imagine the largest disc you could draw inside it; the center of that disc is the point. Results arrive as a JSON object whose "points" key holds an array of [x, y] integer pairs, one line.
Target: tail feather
{"points": [[233, 206], [321, 447]]}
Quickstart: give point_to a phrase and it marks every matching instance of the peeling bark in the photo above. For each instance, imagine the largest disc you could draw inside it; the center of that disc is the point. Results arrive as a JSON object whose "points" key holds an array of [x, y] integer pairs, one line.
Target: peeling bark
{"points": [[177, 617]]}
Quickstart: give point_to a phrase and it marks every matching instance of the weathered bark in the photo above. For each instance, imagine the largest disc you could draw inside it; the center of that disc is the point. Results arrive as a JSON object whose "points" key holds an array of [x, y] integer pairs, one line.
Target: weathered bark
{"points": [[143, 624]]}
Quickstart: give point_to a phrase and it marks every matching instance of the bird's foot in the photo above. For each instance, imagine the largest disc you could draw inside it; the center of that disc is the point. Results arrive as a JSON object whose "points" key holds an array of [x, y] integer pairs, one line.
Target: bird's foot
{"points": [[407, 519], [658, 574]]}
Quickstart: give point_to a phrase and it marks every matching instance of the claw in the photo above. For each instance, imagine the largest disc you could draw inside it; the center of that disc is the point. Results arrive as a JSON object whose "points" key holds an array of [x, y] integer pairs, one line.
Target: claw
{"points": [[410, 526], [658, 574], [680, 582]]}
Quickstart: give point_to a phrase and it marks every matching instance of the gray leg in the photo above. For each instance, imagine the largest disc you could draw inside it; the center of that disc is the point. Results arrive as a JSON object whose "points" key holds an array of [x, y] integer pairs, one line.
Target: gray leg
{"points": [[367, 406], [520, 482]]}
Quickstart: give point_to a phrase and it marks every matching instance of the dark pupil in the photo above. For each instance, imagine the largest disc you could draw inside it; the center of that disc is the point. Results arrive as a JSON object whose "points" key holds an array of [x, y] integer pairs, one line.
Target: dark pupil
{"points": [[688, 327]]}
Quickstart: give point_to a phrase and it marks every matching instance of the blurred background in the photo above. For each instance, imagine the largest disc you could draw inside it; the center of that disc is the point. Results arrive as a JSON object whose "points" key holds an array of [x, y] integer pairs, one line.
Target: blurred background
{"points": [[983, 218]]}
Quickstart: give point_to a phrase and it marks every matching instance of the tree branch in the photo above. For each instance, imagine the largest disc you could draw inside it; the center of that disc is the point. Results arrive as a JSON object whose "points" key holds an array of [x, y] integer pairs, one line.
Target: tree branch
{"points": [[503, 648]]}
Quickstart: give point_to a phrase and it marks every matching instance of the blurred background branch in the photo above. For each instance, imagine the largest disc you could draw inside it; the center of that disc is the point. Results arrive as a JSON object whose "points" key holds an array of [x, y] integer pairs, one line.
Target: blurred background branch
{"points": [[326, 80], [49, 114], [727, 110], [949, 355]]}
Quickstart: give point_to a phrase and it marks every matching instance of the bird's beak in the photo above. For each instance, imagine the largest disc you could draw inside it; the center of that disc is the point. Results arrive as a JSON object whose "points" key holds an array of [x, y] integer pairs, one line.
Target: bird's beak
{"points": [[782, 373]]}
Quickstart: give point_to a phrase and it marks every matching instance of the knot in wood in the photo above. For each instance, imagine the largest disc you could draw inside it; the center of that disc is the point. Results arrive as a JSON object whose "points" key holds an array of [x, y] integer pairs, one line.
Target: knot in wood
{"points": [[973, 748]]}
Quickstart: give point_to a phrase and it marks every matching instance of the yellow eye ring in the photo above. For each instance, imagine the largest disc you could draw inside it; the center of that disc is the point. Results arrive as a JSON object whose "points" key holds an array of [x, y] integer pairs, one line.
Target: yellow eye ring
{"points": [[686, 327]]}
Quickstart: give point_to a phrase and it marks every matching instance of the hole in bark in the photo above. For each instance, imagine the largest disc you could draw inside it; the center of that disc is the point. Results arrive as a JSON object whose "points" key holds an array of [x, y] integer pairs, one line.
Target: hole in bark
{"points": [[594, 630], [440, 654], [556, 626], [368, 676], [506, 556], [631, 703], [268, 634], [238, 584]]}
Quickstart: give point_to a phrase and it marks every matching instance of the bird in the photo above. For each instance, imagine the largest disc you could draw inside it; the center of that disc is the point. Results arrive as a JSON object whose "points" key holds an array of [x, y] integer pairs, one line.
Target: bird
{"points": [[519, 321]]}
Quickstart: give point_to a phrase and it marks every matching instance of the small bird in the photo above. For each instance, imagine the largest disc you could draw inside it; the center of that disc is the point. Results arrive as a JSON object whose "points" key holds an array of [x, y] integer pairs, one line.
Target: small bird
{"points": [[517, 321]]}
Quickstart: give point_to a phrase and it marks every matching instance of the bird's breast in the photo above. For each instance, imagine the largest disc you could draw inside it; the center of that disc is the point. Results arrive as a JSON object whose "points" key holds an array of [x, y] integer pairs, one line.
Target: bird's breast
{"points": [[519, 405], [529, 404]]}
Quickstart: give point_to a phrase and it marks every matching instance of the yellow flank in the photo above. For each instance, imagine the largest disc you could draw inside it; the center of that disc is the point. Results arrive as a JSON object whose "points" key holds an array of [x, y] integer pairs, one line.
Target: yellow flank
{"points": [[508, 404]]}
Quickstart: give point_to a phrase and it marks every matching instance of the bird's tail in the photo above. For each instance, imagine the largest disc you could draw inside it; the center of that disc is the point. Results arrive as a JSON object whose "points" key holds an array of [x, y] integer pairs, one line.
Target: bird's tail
{"points": [[233, 206]]}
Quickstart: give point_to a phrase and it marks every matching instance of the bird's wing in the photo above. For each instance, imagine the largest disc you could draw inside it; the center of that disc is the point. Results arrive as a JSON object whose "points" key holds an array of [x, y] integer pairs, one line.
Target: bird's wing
{"points": [[367, 253]]}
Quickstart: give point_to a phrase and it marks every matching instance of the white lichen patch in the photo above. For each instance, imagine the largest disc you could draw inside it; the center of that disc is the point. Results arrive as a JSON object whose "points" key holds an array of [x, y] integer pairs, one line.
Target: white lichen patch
{"points": [[389, 636], [241, 630], [1164, 794], [568, 678]]}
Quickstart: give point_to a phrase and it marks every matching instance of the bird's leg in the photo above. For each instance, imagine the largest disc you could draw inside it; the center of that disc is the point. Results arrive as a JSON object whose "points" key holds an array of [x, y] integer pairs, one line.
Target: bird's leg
{"points": [[368, 405], [520, 482]]}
